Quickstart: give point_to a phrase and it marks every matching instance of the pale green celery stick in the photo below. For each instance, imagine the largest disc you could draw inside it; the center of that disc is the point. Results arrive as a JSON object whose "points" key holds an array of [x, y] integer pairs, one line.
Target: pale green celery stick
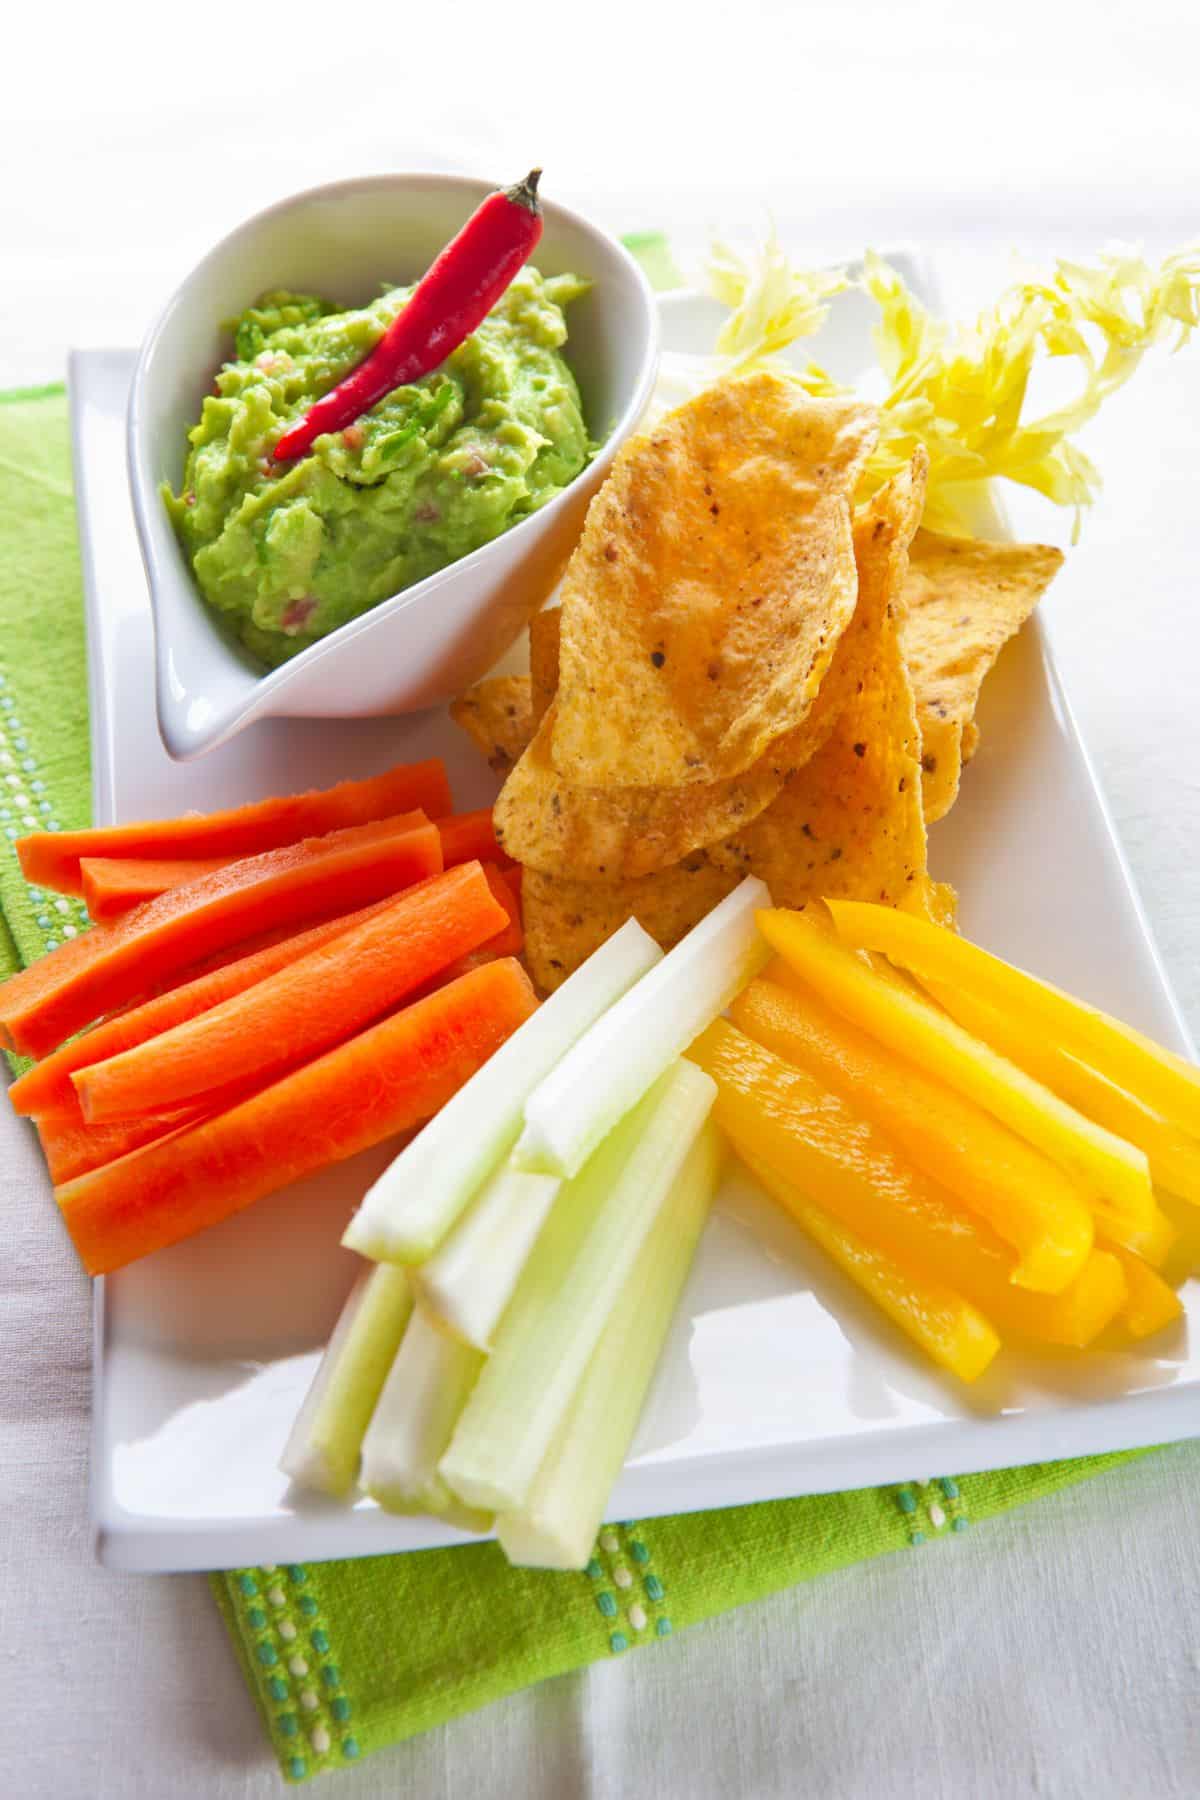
{"points": [[556, 1527], [413, 1204], [611, 1067], [578, 1267], [322, 1451], [421, 1400], [469, 1279]]}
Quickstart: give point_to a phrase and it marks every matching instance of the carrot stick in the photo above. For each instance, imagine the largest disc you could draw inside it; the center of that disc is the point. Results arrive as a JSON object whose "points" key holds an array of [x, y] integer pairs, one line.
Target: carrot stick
{"points": [[303, 1009], [469, 837], [51, 858], [504, 882], [112, 884], [47, 1088], [73, 1148], [384, 1081], [506, 943], [510, 940], [462, 965], [270, 939], [111, 964]]}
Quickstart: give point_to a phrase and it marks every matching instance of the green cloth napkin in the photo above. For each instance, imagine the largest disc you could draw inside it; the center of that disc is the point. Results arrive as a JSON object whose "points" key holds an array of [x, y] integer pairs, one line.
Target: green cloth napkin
{"points": [[344, 1658], [45, 774]]}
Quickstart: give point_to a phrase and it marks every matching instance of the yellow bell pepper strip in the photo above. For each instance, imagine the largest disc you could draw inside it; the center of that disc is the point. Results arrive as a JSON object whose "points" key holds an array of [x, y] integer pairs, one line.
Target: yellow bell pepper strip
{"points": [[1025, 1198], [1174, 1157], [1071, 1319], [1151, 1303], [779, 1115], [1113, 1176], [1165, 1082], [1153, 1243], [1184, 1258], [947, 1327]]}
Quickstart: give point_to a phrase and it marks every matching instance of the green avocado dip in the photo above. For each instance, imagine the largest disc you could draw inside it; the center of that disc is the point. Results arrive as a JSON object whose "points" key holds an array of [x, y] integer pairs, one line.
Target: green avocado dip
{"points": [[287, 552]]}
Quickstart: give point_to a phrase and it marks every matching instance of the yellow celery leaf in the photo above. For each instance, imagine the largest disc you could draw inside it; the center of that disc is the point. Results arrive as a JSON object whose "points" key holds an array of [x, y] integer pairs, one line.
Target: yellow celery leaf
{"points": [[962, 393], [771, 305], [771, 302]]}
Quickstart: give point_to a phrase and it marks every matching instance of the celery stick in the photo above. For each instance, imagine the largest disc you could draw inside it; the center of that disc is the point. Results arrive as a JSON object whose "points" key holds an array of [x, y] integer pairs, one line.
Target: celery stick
{"points": [[469, 1279], [322, 1451], [422, 1397], [556, 1528], [413, 1204], [610, 1068], [578, 1267]]}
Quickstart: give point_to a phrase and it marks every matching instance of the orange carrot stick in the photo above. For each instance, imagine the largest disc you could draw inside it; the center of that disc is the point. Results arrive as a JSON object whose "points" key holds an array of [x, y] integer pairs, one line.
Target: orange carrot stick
{"points": [[303, 1009], [510, 940], [389, 1078], [112, 884], [73, 1148], [270, 939], [47, 1088], [51, 858], [506, 943], [111, 964], [470, 837]]}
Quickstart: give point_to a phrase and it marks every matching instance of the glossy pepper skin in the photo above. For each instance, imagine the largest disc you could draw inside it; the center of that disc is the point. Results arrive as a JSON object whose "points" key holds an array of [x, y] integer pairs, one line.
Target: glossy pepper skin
{"points": [[456, 295], [779, 1116]]}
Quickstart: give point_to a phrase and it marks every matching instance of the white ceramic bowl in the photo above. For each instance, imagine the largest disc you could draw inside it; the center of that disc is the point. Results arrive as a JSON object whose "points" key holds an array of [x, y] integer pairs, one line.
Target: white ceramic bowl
{"points": [[425, 644]]}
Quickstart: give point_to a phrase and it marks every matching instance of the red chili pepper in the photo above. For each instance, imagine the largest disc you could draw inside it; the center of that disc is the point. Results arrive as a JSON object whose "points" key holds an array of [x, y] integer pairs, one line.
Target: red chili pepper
{"points": [[455, 296]]}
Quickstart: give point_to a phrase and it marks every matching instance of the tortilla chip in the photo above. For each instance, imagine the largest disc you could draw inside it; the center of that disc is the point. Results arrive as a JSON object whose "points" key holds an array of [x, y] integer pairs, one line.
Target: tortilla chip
{"points": [[566, 920], [850, 823], [964, 599], [941, 903], [712, 582], [497, 716], [941, 764], [596, 834], [544, 631]]}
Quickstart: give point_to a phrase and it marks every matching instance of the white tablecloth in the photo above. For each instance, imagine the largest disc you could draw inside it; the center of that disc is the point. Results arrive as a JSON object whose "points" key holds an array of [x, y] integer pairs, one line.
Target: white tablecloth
{"points": [[1055, 1652]]}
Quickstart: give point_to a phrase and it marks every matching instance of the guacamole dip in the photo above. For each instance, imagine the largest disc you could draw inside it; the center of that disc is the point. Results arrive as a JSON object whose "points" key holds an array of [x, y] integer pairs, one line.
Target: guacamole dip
{"points": [[286, 552]]}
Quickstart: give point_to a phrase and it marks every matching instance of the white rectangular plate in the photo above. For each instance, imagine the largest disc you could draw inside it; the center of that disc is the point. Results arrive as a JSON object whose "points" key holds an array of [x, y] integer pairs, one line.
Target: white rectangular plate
{"points": [[777, 1379]]}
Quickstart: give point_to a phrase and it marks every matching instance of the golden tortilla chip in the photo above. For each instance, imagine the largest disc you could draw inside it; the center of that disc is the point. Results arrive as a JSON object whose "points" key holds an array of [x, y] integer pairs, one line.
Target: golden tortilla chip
{"points": [[566, 920], [964, 599], [595, 834], [598, 834], [497, 716], [712, 582], [544, 631], [941, 764], [850, 822], [941, 903]]}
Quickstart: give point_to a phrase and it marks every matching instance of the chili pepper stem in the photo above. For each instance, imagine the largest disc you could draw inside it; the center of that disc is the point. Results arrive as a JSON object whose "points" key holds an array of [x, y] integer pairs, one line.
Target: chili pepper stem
{"points": [[524, 193]]}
